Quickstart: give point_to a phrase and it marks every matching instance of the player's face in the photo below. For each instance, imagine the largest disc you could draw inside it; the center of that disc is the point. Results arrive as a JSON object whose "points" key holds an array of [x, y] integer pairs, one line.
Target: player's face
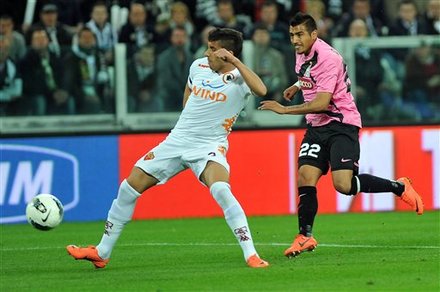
{"points": [[215, 63], [301, 39]]}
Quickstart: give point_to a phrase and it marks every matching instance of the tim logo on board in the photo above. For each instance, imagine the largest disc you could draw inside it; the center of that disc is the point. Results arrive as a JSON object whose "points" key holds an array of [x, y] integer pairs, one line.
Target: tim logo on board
{"points": [[27, 170]]}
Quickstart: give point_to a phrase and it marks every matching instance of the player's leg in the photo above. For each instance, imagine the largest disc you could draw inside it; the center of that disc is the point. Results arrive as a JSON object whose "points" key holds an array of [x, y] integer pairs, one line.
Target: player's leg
{"points": [[313, 163], [119, 215], [216, 177], [367, 183], [122, 208], [344, 155], [308, 177], [156, 167]]}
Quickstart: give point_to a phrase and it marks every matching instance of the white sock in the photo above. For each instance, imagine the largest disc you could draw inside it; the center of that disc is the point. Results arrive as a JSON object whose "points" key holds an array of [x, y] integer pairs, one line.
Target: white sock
{"points": [[120, 213], [235, 217]]}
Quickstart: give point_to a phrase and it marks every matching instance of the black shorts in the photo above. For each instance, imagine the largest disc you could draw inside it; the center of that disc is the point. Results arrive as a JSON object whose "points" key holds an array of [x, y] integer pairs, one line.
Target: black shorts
{"points": [[334, 144]]}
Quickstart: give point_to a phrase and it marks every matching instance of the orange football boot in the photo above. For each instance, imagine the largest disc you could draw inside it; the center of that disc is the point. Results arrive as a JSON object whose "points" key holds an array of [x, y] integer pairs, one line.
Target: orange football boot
{"points": [[410, 196], [89, 253], [254, 261], [300, 244]]}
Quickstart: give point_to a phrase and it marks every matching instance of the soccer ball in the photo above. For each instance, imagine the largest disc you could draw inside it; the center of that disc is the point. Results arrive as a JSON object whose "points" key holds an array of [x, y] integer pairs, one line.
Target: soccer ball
{"points": [[44, 212]]}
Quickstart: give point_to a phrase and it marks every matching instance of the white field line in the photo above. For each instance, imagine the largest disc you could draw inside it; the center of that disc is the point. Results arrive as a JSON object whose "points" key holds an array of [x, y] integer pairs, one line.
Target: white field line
{"points": [[325, 245]]}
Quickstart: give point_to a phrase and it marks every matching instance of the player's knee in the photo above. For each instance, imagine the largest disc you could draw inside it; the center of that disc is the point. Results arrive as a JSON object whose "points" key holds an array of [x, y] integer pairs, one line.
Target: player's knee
{"points": [[304, 179], [221, 191], [342, 186], [347, 187]]}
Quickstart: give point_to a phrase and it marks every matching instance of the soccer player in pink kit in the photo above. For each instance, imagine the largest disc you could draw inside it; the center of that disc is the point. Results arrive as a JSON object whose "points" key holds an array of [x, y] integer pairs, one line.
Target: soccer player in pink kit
{"points": [[332, 135], [217, 90]]}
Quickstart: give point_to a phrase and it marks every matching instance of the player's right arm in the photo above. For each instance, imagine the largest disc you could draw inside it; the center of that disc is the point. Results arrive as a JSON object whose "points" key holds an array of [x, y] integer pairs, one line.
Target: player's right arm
{"points": [[186, 94], [290, 92], [318, 104]]}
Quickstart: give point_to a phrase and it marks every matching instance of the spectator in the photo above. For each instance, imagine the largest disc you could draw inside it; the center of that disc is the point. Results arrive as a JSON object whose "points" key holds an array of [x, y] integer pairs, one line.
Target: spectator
{"points": [[361, 9], [200, 52], [42, 78], [422, 81], [206, 12], [268, 64], [162, 33], [180, 17], [278, 30], [226, 17], [141, 79], [279, 34], [432, 17], [105, 35], [11, 85], [136, 32], [408, 22], [378, 84], [59, 37], [174, 65], [69, 14], [316, 8], [17, 44], [86, 76], [369, 73]]}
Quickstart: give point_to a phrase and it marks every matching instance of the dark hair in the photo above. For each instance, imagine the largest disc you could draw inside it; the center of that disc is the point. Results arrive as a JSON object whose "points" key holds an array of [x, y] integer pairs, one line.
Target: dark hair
{"points": [[269, 3], [6, 17], [225, 2], [99, 3], [86, 29], [305, 19], [230, 39], [406, 2], [260, 26], [180, 27]]}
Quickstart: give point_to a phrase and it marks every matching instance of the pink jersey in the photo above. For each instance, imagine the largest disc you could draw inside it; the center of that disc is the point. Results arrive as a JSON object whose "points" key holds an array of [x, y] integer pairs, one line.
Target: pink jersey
{"points": [[323, 70]]}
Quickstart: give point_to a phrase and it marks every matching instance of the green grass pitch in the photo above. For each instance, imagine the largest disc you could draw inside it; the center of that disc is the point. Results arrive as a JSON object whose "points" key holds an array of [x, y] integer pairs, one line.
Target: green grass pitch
{"points": [[377, 251]]}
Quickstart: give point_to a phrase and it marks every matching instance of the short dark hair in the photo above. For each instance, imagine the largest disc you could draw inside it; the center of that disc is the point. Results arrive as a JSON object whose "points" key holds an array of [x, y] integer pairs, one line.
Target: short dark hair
{"points": [[6, 17], [99, 3], [86, 29], [230, 39], [305, 19], [406, 2], [269, 3]]}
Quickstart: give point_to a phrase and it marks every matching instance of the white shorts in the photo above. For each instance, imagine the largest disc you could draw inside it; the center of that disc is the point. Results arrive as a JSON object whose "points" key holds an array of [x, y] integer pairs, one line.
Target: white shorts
{"points": [[173, 155]]}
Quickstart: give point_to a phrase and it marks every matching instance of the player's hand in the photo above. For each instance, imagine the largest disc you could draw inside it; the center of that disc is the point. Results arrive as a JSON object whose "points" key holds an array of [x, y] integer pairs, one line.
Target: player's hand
{"points": [[225, 55], [290, 92], [272, 105]]}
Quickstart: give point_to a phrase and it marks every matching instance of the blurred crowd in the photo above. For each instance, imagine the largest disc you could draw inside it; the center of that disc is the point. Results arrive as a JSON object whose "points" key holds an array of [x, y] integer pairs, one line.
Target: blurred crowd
{"points": [[60, 59]]}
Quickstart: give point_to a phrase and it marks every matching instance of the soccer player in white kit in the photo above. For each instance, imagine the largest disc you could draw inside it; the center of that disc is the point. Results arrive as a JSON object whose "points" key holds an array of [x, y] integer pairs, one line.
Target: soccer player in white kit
{"points": [[217, 90]]}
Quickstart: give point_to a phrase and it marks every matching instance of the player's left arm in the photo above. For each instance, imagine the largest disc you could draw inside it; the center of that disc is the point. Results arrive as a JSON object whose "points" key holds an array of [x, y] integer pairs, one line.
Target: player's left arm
{"points": [[250, 77], [186, 94], [318, 104]]}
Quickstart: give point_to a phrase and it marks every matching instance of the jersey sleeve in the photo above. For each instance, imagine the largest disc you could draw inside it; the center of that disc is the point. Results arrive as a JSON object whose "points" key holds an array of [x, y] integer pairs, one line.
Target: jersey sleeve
{"points": [[243, 85], [191, 73]]}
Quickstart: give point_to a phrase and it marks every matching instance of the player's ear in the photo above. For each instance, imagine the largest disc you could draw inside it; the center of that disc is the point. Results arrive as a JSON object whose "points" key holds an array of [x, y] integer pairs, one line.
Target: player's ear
{"points": [[314, 34]]}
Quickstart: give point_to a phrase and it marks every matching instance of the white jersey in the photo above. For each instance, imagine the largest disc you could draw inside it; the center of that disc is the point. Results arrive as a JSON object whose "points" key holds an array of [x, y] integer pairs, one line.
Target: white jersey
{"points": [[213, 106]]}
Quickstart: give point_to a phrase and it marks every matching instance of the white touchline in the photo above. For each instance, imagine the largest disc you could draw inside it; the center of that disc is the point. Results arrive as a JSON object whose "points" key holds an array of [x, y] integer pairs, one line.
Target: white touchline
{"points": [[327, 245]]}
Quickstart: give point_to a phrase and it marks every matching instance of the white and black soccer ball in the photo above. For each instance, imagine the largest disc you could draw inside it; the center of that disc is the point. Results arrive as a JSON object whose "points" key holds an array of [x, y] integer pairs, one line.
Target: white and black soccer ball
{"points": [[44, 212]]}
